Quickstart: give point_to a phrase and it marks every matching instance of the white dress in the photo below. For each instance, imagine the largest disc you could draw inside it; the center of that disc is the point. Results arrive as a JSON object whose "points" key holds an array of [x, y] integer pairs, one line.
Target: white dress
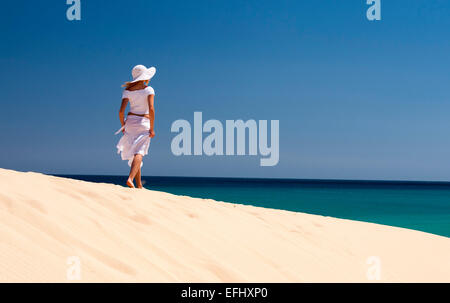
{"points": [[136, 138]]}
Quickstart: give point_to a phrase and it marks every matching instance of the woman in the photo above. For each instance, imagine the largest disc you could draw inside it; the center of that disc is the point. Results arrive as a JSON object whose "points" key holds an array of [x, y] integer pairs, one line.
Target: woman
{"points": [[139, 125]]}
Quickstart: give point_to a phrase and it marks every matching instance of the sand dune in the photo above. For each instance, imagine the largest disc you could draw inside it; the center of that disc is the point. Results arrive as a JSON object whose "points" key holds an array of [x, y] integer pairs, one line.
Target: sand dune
{"points": [[57, 229]]}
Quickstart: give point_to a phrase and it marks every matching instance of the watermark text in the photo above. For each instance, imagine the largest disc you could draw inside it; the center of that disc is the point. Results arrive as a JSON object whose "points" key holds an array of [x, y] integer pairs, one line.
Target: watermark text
{"points": [[236, 140]]}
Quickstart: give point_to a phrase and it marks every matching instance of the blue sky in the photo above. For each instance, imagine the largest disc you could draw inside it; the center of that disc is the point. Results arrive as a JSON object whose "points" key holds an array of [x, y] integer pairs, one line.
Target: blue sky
{"points": [[355, 99]]}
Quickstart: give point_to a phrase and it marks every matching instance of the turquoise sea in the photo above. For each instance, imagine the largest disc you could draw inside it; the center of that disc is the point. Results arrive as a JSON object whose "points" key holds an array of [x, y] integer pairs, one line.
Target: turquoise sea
{"points": [[422, 206]]}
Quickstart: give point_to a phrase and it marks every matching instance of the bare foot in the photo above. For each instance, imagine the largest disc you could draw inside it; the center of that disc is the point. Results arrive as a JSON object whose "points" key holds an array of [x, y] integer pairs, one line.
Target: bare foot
{"points": [[130, 183]]}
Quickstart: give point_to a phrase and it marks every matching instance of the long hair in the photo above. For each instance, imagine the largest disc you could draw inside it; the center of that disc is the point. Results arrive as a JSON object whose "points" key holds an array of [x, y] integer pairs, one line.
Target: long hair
{"points": [[127, 85]]}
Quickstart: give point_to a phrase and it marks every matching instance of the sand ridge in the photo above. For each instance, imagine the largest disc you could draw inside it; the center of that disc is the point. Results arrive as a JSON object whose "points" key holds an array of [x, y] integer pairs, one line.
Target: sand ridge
{"points": [[128, 235]]}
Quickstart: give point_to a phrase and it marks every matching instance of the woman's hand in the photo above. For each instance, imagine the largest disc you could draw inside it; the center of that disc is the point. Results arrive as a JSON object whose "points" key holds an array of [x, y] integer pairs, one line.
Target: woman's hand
{"points": [[151, 133]]}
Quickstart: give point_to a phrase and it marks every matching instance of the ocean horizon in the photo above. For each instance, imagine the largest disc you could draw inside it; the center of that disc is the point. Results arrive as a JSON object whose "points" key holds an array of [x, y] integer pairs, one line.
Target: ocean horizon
{"points": [[418, 205]]}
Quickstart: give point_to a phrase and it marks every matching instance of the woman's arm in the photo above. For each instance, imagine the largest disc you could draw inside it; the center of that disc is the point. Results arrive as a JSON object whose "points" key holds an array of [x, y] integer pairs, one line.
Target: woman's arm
{"points": [[151, 108], [123, 106]]}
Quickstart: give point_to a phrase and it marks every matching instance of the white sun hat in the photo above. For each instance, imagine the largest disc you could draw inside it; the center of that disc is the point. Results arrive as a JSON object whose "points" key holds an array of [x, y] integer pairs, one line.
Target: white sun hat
{"points": [[141, 73]]}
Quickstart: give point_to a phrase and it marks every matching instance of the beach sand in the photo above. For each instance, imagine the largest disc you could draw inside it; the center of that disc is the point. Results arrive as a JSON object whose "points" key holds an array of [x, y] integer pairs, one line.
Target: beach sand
{"points": [[56, 230]]}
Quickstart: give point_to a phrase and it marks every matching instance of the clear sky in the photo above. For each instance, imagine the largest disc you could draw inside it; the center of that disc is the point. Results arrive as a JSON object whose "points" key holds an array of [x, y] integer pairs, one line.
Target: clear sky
{"points": [[355, 99]]}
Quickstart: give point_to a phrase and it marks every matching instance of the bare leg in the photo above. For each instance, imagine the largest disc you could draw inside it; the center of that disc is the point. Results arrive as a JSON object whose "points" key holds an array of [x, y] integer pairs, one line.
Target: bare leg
{"points": [[135, 167], [138, 178]]}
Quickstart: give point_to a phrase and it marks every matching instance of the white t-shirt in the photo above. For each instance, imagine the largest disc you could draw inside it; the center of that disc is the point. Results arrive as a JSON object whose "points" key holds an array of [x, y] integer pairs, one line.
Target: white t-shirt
{"points": [[138, 99]]}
